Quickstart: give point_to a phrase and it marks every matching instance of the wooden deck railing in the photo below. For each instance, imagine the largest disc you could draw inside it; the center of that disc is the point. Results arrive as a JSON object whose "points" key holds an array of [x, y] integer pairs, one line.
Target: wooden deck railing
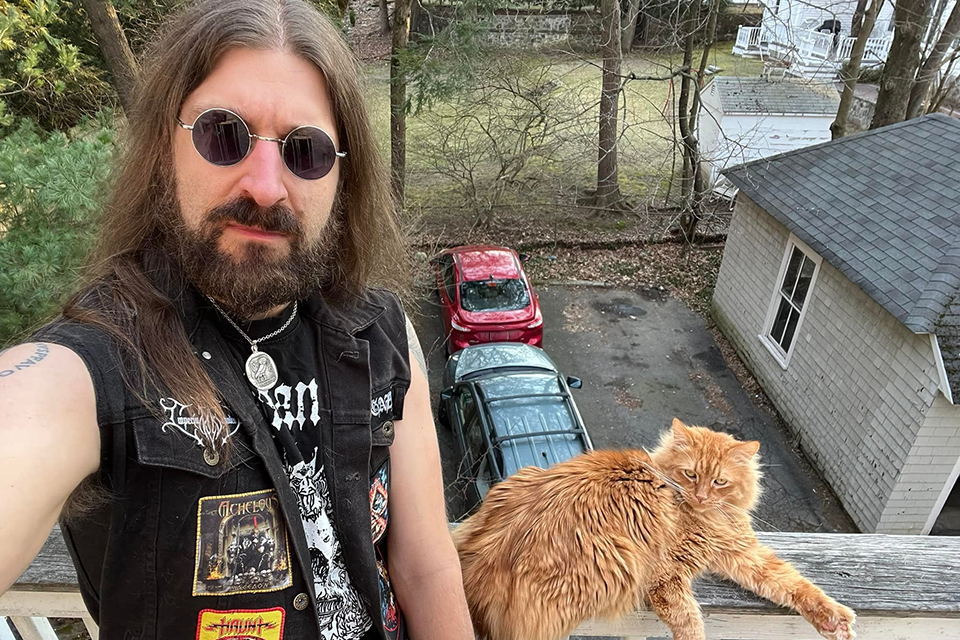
{"points": [[903, 588]]}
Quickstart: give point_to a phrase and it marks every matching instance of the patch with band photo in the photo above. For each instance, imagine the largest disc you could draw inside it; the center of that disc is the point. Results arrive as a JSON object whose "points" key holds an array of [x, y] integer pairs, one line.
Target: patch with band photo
{"points": [[241, 624], [241, 545]]}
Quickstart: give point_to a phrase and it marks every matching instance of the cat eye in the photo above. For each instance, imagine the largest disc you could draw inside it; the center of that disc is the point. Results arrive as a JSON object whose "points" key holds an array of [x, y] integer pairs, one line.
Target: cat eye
{"points": [[690, 474], [720, 482]]}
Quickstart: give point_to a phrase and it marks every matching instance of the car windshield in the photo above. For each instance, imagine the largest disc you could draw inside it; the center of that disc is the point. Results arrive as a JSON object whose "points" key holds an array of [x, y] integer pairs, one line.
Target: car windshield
{"points": [[493, 295]]}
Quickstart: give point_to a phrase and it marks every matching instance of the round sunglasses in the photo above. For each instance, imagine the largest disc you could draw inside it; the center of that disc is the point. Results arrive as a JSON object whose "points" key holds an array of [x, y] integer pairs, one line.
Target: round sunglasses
{"points": [[221, 137]]}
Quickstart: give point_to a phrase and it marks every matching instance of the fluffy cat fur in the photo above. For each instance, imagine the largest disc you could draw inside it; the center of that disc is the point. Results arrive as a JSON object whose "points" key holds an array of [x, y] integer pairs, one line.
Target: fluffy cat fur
{"points": [[598, 535]]}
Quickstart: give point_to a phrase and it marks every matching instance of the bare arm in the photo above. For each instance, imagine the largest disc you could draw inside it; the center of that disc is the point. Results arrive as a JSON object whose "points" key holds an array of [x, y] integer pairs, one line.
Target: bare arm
{"points": [[50, 443], [423, 562]]}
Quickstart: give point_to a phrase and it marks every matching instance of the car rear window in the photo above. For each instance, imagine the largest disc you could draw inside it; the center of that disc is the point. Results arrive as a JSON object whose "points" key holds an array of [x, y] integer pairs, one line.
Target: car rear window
{"points": [[494, 295]]}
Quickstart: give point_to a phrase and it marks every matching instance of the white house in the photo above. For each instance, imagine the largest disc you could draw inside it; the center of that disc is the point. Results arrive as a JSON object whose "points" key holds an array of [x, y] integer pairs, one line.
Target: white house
{"points": [[840, 289], [813, 36], [743, 119]]}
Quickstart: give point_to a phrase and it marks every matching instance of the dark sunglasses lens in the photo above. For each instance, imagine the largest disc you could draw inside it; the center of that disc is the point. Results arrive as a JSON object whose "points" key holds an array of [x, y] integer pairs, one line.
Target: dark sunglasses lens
{"points": [[309, 153], [221, 137]]}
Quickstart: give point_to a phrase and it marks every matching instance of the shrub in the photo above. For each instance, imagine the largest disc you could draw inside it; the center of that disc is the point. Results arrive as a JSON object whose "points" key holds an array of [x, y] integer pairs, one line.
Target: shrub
{"points": [[50, 187]]}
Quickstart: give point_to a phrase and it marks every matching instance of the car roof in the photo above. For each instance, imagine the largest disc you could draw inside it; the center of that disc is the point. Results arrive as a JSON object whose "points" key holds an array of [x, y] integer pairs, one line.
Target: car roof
{"points": [[495, 355], [486, 263], [546, 410]]}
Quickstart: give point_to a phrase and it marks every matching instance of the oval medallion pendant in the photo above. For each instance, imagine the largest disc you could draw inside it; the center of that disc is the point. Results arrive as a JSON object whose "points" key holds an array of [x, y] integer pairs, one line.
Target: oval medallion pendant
{"points": [[261, 370]]}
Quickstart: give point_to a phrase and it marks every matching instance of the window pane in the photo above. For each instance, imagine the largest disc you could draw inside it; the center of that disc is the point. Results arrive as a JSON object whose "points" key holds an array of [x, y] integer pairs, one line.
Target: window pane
{"points": [[791, 329], [494, 295], [803, 283], [780, 321], [790, 277]]}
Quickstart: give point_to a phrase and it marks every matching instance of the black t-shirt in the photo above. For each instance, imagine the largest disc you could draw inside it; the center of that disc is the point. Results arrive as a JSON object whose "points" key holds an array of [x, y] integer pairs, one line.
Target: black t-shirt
{"points": [[293, 408]]}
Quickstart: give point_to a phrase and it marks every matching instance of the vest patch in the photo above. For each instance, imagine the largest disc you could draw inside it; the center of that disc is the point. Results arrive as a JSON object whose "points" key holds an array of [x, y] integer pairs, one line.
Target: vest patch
{"points": [[196, 428], [240, 624], [241, 545], [389, 611], [378, 504], [383, 404]]}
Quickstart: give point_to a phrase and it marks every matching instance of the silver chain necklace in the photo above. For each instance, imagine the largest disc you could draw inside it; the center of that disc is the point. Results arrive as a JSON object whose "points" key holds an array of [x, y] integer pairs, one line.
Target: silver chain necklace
{"points": [[260, 368]]}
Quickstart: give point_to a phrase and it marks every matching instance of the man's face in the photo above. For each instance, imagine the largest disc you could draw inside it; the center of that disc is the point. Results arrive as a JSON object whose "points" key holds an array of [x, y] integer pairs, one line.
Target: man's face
{"points": [[253, 235]]}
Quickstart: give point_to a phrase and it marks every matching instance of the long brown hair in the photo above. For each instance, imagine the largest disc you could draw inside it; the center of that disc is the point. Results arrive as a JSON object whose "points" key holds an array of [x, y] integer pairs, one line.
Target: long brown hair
{"points": [[130, 281]]}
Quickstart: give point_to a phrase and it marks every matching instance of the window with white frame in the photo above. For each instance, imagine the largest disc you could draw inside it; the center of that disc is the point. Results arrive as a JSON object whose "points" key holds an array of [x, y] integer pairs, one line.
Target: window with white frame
{"points": [[797, 275]]}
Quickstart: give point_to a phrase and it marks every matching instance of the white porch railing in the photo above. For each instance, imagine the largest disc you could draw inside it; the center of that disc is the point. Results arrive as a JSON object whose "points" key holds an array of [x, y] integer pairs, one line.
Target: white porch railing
{"points": [[875, 52], [748, 39], [900, 586], [813, 44], [805, 46]]}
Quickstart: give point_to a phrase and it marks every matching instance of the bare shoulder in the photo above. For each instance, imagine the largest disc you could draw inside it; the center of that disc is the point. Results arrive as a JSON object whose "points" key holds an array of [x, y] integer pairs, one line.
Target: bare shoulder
{"points": [[47, 395], [51, 442]]}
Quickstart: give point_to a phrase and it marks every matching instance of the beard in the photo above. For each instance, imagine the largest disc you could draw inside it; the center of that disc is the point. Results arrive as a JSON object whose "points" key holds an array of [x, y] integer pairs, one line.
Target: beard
{"points": [[256, 280]]}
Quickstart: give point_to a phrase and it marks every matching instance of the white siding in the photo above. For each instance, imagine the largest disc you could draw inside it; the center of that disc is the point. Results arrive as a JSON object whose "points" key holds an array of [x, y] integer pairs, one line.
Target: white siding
{"points": [[709, 124], [928, 472], [749, 137], [859, 387], [813, 13]]}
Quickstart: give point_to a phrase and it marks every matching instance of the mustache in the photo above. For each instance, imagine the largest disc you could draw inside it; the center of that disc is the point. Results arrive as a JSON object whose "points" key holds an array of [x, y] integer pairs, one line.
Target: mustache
{"points": [[277, 218]]}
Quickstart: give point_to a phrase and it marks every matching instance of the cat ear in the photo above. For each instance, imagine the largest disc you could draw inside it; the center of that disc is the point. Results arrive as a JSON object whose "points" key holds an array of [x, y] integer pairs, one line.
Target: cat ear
{"points": [[746, 450], [681, 434]]}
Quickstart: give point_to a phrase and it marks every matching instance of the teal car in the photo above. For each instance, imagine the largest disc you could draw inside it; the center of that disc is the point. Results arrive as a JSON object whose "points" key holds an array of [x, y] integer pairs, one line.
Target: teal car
{"points": [[508, 407]]}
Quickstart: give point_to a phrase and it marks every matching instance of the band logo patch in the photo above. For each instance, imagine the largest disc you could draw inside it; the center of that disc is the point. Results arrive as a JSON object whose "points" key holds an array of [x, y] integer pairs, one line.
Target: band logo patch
{"points": [[241, 545], [241, 624], [381, 405]]}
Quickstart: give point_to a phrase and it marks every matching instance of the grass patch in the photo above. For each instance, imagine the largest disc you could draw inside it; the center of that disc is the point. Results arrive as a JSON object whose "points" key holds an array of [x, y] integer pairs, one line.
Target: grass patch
{"points": [[647, 148]]}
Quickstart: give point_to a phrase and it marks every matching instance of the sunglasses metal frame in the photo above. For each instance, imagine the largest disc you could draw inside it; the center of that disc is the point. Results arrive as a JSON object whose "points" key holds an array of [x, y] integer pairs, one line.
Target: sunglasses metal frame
{"points": [[253, 136]]}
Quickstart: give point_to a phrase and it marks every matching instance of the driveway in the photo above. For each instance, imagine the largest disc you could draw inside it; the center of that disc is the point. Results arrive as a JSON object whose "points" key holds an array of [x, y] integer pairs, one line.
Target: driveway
{"points": [[644, 358]]}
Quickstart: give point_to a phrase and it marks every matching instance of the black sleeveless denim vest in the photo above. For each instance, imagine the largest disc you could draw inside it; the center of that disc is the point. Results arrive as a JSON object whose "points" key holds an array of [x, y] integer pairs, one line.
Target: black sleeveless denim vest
{"points": [[194, 544]]}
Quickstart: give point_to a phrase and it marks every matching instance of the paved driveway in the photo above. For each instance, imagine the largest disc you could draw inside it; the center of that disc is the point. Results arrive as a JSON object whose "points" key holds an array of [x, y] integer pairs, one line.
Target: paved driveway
{"points": [[644, 358]]}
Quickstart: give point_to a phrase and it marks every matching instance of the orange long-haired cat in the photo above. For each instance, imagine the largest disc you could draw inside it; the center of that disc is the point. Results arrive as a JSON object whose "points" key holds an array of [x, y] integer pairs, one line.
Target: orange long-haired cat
{"points": [[595, 536]]}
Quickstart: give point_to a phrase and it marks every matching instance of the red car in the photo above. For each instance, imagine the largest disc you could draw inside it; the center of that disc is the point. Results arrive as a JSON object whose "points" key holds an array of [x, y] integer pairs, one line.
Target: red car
{"points": [[486, 297]]}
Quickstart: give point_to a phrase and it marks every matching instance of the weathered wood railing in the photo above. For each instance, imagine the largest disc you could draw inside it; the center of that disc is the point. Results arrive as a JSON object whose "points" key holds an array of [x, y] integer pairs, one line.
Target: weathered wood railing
{"points": [[902, 587]]}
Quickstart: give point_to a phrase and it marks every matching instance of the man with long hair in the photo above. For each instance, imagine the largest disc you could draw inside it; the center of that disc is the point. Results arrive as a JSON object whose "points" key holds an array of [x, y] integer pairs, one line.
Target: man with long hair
{"points": [[225, 418]]}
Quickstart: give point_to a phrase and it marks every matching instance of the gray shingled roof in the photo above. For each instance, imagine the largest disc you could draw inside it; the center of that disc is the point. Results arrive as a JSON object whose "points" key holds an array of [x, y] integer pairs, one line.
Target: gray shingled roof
{"points": [[883, 207], [756, 95]]}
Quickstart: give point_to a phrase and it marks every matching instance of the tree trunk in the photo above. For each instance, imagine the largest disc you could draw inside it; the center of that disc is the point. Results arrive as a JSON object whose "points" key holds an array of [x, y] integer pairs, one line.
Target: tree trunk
{"points": [[608, 180], [946, 85], [384, 17], [629, 30], [683, 102], [415, 8], [692, 144], [858, 18], [693, 185], [398, 100], [900, 71], [851, 71], [116, 50], [931, 66]]}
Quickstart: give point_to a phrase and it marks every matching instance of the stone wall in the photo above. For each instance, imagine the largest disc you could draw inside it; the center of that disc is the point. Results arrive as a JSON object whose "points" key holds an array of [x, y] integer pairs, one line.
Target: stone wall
{"points": [[860, 390], [525, 29]]}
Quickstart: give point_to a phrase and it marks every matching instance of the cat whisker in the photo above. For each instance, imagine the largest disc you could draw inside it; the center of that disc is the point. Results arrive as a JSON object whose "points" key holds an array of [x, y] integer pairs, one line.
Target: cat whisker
{"points": [[730, 518], [754, 516], [666, 479]]}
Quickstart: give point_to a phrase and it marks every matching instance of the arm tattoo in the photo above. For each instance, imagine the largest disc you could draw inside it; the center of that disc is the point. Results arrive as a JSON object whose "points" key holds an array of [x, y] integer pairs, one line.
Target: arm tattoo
{"points": [[414, 343], [41, 351]]}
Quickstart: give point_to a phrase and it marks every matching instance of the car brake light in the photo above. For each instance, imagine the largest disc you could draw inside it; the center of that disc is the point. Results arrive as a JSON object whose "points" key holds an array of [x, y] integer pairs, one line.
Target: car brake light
{"points": [[536, 322], [457, 327]]}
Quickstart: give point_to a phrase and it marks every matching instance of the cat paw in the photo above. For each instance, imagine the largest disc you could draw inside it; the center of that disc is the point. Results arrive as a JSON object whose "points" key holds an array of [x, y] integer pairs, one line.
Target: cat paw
{"points": [[834, 621]]}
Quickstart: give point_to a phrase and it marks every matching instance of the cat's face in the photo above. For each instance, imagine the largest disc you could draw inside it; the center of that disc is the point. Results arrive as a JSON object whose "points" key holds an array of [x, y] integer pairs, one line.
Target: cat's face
{"points": [[712, 469]]}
